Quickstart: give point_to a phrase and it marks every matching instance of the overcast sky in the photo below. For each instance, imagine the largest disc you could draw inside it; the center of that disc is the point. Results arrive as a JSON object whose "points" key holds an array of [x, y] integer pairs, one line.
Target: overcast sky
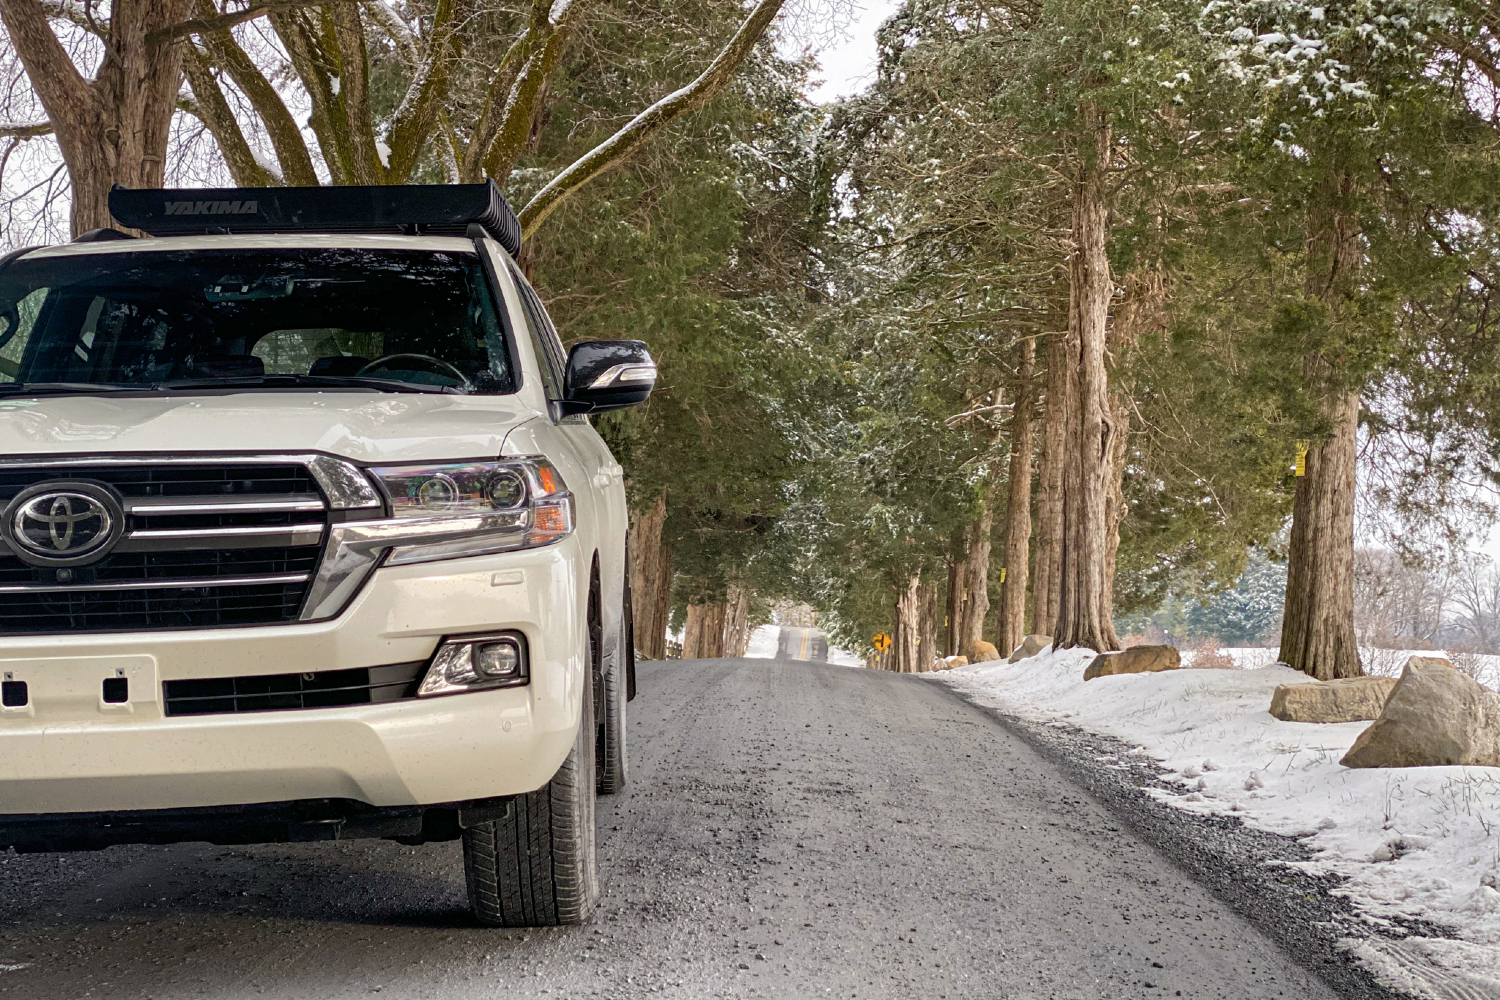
{"points": [[847, 57]]}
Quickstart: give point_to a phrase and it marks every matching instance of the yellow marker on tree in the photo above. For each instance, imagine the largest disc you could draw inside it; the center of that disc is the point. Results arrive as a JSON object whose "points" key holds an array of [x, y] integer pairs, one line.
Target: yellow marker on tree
{"points": [[1302, 458], [1002, 574]]}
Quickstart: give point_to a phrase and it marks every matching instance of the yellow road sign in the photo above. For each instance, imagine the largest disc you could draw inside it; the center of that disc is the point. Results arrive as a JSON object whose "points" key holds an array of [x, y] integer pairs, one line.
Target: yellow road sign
{"points": [[882, 642]]}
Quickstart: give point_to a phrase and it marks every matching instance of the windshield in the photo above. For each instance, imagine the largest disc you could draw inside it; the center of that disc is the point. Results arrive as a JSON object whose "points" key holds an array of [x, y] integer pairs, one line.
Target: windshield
{"points": [[309, 315]]}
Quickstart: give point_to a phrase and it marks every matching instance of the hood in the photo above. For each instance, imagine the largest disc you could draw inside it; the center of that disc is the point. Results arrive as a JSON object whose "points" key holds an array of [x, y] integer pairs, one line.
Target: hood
{"points": [[365, 427]]}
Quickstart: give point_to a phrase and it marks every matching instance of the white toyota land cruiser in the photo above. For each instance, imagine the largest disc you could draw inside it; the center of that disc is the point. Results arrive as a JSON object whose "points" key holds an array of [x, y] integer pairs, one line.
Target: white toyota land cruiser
{"points": [[305, 535]]}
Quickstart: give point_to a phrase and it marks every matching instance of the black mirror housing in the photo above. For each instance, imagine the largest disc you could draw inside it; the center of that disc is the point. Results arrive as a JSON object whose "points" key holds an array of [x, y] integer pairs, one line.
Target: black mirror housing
{"points": [[608, 375]]}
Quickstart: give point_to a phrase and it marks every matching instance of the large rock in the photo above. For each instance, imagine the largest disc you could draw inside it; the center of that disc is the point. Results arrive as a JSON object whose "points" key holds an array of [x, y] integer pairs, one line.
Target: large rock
{"points": [[949, 662], [1349, 700], [1030, 646], [1135, 660], [982, 652], [1436, 715]]}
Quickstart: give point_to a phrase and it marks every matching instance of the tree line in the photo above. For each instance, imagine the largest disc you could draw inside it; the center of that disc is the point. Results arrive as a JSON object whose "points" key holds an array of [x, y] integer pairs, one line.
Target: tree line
{"points": [[1078, 306]]}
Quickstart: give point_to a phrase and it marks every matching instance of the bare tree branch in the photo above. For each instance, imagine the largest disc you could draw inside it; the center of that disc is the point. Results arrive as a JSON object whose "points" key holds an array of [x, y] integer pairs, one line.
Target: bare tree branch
{"points": [[24, 130], [498, 98], [218, 22], [648, 123], [308, 38], [383, 14], [61, 88], [416, 115], [354, 92], [214, 112], [77, 14], [286, 138]]}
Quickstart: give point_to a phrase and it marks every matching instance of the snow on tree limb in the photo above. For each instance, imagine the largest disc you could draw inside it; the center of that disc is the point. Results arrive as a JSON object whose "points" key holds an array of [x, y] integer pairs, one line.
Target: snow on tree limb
{"points": [[383, 14], [77, 14], [24, 130], [648, 123]]}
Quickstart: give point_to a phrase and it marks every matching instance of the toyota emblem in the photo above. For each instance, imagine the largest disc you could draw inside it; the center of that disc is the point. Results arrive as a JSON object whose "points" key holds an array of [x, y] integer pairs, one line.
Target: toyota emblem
{"points": [[63, 524]]}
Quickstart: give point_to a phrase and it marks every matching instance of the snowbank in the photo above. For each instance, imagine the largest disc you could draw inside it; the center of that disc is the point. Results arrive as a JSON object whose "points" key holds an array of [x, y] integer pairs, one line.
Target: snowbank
{"points": [[1418, 843], [762, 644]]}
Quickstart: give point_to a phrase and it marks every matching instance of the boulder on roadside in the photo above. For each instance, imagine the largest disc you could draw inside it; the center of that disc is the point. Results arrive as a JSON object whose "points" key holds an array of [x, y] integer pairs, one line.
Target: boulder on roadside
{"points": [[1435, 716], [949, 662], [1350, 699], [982, 652], [1135, 660], [1030, 646]]}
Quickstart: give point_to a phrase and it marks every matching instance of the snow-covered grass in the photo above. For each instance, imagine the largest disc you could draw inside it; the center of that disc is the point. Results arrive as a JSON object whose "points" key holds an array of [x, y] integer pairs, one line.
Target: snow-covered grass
{"points": [[1413, 842], [1483, 667]]}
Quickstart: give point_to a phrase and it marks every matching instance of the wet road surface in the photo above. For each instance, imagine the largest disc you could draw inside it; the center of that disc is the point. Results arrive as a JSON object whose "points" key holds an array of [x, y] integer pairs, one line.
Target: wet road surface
{"points": [[791, 830]]}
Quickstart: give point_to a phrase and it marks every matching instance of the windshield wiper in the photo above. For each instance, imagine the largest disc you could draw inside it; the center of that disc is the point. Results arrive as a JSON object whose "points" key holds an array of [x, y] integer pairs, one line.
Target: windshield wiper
{"points": [[60, 388], [305, 381]]}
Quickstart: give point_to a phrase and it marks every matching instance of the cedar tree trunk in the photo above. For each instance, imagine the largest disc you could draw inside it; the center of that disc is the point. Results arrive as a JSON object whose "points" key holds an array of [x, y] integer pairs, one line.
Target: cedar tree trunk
{"points": [[1049, 506], [1012, 625], [1317, 629], [737, 621], [1084, 618], [974, 602], [651, 579]]}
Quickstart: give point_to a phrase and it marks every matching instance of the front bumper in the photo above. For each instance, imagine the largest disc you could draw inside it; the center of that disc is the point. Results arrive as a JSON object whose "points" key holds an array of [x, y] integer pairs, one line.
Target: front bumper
{"points": [[69, 752]]}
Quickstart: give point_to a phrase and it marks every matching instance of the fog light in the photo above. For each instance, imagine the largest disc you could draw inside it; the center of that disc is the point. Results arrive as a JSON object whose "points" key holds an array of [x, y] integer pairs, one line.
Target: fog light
{"points": [[497, 660], [475, 663]]}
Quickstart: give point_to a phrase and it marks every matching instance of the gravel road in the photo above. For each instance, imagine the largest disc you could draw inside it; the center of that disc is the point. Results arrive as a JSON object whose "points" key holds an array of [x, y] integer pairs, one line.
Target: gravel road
{"points": [[791, 830]]}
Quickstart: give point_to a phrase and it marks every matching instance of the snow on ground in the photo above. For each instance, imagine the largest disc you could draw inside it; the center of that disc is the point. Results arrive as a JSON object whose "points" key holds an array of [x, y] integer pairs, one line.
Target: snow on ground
{"points": [[762, 644], [1413, 842], [1483, 667]]}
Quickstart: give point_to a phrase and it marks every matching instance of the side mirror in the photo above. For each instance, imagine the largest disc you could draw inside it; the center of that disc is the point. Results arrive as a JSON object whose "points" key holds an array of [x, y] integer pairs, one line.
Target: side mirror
{"points": [[607, 375]]}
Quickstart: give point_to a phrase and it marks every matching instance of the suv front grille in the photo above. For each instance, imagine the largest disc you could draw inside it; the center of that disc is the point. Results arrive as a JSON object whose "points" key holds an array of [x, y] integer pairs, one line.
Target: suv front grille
{"points": [[176, 479], [206, 545], [281, 692]]}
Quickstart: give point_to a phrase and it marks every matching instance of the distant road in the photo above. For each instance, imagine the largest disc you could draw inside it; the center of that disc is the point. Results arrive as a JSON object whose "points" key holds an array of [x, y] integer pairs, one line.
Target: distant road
{"points": [[791, 831], [802, 644]]}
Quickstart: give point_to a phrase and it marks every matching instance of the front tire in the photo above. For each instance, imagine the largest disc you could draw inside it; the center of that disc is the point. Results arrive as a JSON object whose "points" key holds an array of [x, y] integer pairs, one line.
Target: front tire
{"points": [[538, 867]]}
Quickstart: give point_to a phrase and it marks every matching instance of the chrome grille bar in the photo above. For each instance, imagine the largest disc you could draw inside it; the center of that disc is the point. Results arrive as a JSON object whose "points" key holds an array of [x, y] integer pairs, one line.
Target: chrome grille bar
{"points": [[182, 539], [163, 506], [192, 584]]}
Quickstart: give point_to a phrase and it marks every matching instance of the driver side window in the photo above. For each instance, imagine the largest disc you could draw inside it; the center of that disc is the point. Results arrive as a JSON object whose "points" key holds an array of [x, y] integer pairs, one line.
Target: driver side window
{"points": [[15, 332]]}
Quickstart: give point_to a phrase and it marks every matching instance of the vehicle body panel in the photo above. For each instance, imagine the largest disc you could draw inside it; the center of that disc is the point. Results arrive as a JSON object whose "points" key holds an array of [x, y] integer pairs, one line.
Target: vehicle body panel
{"points": [[77, 754]]}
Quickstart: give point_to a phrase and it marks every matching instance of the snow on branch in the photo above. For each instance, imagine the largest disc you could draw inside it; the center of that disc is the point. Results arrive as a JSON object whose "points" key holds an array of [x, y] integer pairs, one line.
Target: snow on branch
{"points": [[648, 123], [24, 130], [75, 12], [198, 25], [1320, 55]]}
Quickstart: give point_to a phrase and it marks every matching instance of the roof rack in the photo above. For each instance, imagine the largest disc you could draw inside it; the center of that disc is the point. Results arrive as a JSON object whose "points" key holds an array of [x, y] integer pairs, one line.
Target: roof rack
{"points": [[412, 209], [104, 235]]}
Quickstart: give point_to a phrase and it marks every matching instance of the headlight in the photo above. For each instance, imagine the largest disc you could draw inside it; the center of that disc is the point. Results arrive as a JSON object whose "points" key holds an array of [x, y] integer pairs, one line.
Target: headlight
{"points": [[520, 503], [444, 512], [478, 487]]}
